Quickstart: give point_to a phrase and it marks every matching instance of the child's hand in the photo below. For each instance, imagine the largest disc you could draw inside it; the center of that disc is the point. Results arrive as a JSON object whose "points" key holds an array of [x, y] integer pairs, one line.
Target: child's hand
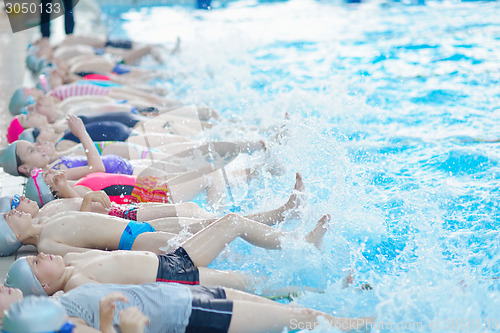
{"points": [[60, 179], [49, 179], [132, 320], [100, 197], [107, 310], [76, 125]]}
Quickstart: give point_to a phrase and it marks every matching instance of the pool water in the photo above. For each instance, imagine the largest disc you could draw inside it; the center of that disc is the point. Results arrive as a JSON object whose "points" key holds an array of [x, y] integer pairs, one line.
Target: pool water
{"points": [[394, 122]]}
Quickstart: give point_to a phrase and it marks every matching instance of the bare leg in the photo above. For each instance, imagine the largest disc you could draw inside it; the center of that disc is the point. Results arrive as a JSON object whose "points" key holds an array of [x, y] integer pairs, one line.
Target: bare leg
{"points": [[156, 242], [191, 217], [277, 215], [239, 295], [187, 190], [177, 224], [148, 212], [132, 56], [250, 316], [206, 245], [211, 277]]}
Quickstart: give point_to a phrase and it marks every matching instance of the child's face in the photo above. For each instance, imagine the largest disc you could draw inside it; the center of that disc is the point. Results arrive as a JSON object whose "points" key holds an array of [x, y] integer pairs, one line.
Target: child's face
{"points": [[48, 269], [8, 296], [27, 206], [31, 155], [46, 147], [19, 222], [33, 119]]}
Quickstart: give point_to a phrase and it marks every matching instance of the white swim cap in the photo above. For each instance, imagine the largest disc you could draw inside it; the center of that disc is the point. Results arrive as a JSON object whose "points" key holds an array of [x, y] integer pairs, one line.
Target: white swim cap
{"points": [[22, 277], [8, 240], [36, 314]]}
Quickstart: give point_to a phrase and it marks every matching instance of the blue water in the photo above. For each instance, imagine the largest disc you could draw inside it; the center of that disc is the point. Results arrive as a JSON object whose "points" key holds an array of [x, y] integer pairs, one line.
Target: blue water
{"points": [[391, 110]]}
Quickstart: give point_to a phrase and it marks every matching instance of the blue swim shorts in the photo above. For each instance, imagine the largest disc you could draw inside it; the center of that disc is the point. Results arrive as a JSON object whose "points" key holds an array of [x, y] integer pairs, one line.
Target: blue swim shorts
{"points": [[131, 232]]}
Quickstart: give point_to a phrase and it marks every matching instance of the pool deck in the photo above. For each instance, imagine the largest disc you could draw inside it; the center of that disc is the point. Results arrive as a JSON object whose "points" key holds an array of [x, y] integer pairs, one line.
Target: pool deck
{"points": [[13, 74]]}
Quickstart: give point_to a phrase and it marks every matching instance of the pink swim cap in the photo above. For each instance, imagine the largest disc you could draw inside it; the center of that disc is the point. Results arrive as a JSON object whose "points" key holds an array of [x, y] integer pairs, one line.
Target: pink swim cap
{"points": [[15, 129]]}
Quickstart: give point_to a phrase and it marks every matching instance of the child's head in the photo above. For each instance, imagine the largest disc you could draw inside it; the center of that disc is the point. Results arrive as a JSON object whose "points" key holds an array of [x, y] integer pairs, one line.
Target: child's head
{"points": [[20, 157], [36, 314], [39, 275], [22, 204], [8, 296], [9, 243], [36, 188], [36, 134]]}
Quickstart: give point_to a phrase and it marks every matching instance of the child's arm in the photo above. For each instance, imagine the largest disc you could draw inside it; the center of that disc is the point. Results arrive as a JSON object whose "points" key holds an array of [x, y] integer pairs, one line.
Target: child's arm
{"points": [[132, 320], [94, 162], [59, 248], [95, 196], [82, 326], [107, 311], [63, 187]]}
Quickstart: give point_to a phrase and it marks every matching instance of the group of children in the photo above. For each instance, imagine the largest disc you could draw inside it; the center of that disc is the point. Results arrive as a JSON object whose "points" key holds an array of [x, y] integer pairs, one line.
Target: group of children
{"points": [[111, 166]]}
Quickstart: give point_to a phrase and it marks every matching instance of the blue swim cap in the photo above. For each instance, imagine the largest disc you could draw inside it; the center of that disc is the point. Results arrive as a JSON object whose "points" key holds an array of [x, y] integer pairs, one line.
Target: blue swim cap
{"points": [[8, 240], [17, 101], [22, 277], [8, 159], [36, 189], [36, 314]]}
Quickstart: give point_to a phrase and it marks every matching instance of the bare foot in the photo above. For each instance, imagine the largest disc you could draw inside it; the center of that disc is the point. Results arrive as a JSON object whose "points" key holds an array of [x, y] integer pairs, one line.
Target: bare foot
{"points": [[299, 183], [177, 46], [348, 279], [296, 198], [316, 235]]}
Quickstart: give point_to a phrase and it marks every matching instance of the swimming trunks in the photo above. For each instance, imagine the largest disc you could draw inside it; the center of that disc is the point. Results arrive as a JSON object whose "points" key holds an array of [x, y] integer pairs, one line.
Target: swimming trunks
{"points": [[112, 163], [75, 89], [82, 74], [102, 131], [211, 310], [118, 187], [177, 267], [127, 212], [131, 232], [126, 118], [121, 69], [119, 43], [151, 189]]}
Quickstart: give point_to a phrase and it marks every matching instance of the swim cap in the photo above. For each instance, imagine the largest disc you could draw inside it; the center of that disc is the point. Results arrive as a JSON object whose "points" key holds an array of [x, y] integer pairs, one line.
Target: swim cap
{"points": [[40, 65], [27, 135], [8, 240], [14, 130], [8, 159], [5, 204], [32, 62], [17, 101], [22, 277], [36, 189], [36, 314], [43, 82]]}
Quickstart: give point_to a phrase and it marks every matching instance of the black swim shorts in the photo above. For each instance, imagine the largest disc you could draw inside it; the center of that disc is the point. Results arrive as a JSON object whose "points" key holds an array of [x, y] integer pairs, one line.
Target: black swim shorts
{"points": [[211, 311], [177, 267]]}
